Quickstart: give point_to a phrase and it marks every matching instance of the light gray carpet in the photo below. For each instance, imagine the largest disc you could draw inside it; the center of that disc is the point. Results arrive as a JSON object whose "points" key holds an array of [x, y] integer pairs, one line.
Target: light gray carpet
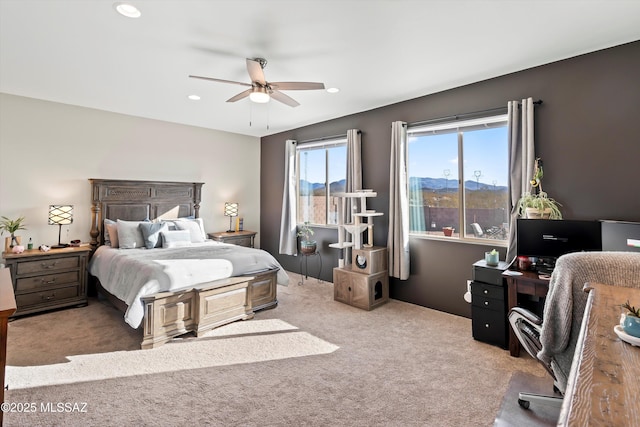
{"points": [[309, 362]]}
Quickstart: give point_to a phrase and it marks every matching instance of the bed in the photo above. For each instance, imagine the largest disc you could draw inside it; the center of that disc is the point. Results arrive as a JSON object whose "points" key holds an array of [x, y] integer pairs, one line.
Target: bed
{"points": [[178, 287]]}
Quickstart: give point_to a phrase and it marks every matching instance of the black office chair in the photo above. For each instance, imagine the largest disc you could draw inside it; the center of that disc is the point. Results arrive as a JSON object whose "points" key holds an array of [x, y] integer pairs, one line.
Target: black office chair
{"points": [[552, 341]]}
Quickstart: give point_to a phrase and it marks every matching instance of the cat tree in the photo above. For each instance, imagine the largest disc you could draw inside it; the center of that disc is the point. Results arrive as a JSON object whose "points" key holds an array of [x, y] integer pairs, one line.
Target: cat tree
{"points": [[357, 227], [363, 283]]}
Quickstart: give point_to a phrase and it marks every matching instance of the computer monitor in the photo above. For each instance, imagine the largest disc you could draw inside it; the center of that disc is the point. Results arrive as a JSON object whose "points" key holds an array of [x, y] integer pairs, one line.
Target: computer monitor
{"points": [[620, 236], [551, 238]]}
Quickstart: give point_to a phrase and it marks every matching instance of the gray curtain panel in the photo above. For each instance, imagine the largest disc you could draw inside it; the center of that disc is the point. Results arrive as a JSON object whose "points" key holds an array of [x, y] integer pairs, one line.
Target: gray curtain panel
{"points": [[288, 241], [398, 237], [521, 160]]}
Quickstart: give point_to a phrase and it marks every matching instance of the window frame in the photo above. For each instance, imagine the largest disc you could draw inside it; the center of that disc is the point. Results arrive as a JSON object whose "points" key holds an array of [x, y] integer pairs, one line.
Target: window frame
{"points": [[325, 144], [459, 125]]}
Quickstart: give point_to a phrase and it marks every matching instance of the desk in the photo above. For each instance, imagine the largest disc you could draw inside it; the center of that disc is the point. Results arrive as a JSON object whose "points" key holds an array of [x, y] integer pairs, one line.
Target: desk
{"points": [[526, 283], [7, 308], [603, 386]]}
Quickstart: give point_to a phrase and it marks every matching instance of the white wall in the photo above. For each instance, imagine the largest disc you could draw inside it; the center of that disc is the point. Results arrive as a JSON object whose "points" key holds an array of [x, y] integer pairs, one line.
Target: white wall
{"points": [[48, 151]]}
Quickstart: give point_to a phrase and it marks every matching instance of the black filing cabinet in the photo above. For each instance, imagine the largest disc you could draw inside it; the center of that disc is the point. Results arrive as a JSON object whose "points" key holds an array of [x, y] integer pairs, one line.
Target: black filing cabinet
{"points": [[489, 304]]}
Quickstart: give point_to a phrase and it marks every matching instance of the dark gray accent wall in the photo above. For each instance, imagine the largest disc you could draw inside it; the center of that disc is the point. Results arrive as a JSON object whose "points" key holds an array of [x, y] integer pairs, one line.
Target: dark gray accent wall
{"points": [[587, 131]]}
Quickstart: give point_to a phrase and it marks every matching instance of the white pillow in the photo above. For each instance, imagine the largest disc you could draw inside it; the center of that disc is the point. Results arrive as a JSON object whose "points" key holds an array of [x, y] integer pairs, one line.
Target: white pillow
{"points": [[175, 238], [129, 235], [193, 228]]}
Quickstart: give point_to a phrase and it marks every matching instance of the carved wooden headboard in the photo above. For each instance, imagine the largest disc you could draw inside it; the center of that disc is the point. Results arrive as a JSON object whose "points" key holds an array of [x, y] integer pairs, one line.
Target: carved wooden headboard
{"points": [[139, 200]]}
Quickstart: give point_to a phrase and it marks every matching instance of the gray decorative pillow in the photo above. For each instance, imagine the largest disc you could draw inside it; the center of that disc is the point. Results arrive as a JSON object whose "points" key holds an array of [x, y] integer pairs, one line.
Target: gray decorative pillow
{"points": [[151, 233], [129, 235], [105, 232], [175, 238]]}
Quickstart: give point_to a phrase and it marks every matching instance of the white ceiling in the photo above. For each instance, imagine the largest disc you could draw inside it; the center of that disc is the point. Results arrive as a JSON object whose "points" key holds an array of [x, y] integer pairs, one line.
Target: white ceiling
{"points": [[377, 52]]}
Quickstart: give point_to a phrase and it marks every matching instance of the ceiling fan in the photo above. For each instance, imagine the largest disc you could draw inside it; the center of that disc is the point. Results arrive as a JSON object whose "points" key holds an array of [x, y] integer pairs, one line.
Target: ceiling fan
{"points": [[260, 90]]}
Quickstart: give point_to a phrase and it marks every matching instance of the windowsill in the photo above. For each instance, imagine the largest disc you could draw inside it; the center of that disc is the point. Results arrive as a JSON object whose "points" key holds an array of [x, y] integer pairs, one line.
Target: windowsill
{"points": [[455, 238]]}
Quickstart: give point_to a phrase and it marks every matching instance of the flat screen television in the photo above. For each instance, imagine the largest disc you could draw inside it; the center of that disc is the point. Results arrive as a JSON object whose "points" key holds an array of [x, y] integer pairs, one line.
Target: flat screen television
{"points": [[551, 238], [620, 236]]}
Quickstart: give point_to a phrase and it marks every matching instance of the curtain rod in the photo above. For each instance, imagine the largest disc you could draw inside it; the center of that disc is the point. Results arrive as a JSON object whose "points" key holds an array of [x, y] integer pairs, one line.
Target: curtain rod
{"points": [[466, 115], [344, 135]]}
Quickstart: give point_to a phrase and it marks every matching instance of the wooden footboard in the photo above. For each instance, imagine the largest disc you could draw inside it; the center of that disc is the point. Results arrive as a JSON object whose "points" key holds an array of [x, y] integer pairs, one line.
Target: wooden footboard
{"points": [[263, 290], [202, 308], [212, 304]]}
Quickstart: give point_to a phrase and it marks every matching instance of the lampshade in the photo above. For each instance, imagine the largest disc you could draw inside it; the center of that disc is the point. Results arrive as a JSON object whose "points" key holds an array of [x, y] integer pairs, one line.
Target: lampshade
{"points": [[259, 95], [60, 214], [230, 209]]}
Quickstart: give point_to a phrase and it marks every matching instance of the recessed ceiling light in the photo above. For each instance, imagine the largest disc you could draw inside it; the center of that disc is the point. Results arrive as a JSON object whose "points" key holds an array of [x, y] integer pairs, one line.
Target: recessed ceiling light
{"points": [[333, 90], [125, 9], [194, 97]]}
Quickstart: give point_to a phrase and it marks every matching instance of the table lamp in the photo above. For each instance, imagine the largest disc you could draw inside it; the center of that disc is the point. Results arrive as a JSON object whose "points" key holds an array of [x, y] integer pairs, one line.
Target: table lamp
{"points": [[60, 215], [230, 210]]}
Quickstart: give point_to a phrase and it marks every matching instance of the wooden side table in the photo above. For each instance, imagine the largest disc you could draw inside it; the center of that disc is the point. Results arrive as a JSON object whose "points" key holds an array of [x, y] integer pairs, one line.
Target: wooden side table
{"points": [[47, 280], [240, 238]]}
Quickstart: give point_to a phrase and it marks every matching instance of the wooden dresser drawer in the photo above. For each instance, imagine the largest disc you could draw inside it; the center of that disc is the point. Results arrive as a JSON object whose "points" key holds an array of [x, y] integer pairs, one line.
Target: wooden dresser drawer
{"points": [[47, 280], [28, 284], [47, 296], [44, 265]]}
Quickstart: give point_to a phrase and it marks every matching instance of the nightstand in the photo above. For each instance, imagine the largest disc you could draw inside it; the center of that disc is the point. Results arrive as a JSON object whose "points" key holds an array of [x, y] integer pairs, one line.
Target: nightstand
{"points": [[240, 238], [47, 280]]}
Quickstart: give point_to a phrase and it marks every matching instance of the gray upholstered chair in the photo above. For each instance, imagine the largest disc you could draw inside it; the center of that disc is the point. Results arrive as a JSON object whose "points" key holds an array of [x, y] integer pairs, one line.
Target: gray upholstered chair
{"points": [[552, 341]]}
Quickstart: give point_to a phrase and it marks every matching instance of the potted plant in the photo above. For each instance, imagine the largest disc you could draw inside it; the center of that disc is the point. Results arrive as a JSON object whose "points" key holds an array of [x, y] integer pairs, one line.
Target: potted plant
{"points": [[631, 320], [307, 246], [536, 204], [491, 258], [11, 226]]}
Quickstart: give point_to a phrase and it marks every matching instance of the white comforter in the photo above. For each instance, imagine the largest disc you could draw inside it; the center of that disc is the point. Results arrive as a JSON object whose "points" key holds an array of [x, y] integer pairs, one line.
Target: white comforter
{"points": [[130, 274]]}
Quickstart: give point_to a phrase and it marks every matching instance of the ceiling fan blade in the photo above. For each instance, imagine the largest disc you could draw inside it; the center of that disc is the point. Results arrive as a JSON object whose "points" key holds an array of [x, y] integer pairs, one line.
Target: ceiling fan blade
{"points": [[220, 80], [240, 96], [285, 99], [296, 85], [255, 71]]}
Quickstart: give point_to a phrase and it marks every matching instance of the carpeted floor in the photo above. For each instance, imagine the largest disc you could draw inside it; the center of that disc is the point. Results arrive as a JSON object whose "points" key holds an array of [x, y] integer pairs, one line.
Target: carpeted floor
{"points": [[309, 362]]}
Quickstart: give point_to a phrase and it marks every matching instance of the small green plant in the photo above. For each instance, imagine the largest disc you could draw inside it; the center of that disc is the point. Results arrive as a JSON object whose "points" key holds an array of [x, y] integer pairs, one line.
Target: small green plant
{"points": [[541, 202], [493, 252], [304, 231], [538, 199], [11, 225], [631, 309]]}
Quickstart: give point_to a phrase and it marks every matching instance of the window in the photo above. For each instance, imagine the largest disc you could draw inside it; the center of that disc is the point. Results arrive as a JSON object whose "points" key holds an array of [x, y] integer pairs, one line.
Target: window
{"points": [[458, 179], [321, 172]]}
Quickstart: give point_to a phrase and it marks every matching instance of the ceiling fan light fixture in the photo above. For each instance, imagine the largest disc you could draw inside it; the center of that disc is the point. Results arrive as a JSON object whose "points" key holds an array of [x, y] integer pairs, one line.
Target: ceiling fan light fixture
{"points": [[127, 10], [259, 95]]}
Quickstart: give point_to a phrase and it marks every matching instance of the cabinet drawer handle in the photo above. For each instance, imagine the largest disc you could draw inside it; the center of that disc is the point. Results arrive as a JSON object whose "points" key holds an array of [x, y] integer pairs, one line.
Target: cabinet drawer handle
{"points": [[48, 297], [48, 282], [486, 303], [486, 291], [49, 265], [486, 325], [349, 288]]}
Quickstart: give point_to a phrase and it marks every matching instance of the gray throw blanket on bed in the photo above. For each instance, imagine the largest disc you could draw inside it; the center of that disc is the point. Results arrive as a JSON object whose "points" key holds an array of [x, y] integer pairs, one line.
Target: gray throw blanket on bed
{"points": [[566, 301]]}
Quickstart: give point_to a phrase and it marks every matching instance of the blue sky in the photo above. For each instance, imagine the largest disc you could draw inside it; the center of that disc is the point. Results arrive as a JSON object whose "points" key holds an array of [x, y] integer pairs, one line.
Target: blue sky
{"points": [[484, 151], [315, 164]]}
